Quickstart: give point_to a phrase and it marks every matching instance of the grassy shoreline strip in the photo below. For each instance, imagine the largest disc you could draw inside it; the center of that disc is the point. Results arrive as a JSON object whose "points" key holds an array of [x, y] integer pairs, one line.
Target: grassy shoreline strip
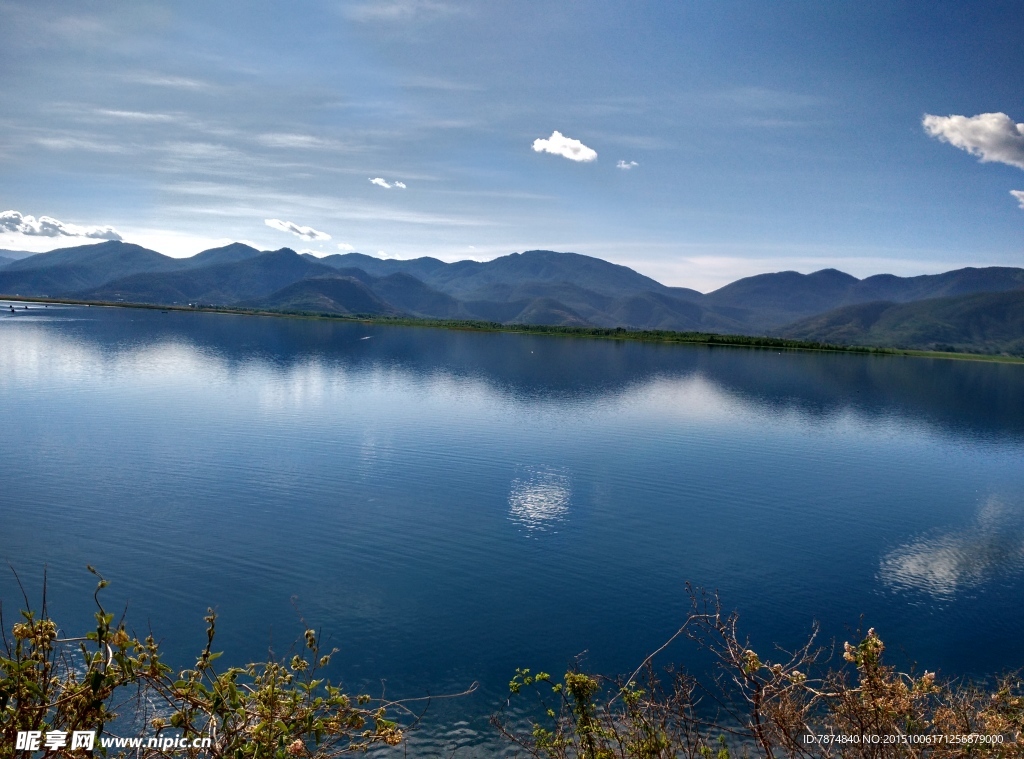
{"points": [[599, 333]]}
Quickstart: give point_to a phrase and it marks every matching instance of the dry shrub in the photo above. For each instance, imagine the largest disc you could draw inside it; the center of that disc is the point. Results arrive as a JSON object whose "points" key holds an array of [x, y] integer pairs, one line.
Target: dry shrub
{"points": [[802, 705]]}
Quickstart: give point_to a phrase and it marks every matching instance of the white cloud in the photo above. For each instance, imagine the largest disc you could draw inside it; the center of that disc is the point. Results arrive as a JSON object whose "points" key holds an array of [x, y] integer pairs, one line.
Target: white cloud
{"points": [[993, 137], [1019, 195], [47, 226], [346, 247], [626, 166], [400, 185], [559, 144], [306, 233], [379, 181]]}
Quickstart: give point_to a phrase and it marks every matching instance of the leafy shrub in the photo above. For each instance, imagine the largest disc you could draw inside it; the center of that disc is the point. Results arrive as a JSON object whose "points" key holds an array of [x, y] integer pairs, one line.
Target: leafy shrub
{"points": [[110, 681]]}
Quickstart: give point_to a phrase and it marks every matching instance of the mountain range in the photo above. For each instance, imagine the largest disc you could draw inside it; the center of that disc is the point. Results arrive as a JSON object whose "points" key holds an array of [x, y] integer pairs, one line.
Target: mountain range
{"points": [[970, 309]]}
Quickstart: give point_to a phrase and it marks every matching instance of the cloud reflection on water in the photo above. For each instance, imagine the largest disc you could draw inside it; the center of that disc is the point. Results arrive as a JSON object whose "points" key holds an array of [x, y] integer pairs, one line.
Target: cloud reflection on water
{"points": [[945, 564]]}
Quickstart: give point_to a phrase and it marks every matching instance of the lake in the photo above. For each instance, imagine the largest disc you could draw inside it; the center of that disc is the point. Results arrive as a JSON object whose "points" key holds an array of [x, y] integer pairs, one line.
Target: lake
{"points": [[447, 506]]}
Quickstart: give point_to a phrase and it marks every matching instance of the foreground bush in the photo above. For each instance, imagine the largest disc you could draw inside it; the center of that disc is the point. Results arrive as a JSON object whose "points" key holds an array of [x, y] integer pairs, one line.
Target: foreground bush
{"points": [[114, 684], [752, 706]]}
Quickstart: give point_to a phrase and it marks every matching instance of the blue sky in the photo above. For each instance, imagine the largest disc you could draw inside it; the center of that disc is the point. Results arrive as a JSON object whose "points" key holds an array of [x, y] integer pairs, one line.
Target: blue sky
{"points": [[730, 138]]}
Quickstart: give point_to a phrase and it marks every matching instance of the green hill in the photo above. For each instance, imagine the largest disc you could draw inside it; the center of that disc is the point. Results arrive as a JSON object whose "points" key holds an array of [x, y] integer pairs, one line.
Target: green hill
{"points": [[328, 294], [982, 322]]}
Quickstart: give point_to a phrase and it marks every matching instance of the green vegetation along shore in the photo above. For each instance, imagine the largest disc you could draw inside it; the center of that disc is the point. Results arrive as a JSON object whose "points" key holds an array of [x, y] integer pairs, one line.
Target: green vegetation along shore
{"points": [[619, 333]]}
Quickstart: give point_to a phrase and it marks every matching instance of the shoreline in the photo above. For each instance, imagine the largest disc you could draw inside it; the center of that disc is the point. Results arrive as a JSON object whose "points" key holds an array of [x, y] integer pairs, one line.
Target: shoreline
{"points": [[668, 337]]}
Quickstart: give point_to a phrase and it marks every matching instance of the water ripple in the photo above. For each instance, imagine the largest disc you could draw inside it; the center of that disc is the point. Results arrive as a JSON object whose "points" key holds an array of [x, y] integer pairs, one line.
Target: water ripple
{"points": [[539, 500]]}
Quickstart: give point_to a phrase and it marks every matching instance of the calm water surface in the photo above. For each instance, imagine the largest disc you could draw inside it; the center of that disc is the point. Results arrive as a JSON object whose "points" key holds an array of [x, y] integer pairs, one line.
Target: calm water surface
{"points": [[449, 506]]}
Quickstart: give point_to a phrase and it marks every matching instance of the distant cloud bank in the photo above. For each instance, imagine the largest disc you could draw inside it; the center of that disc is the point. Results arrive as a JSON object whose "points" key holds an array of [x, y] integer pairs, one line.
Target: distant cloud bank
{"points": [[47, 226], [559, 144], [993, 137], [306, 233]]}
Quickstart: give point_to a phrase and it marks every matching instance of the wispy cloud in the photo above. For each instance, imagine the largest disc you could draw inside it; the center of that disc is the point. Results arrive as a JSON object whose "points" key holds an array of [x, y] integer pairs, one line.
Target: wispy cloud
{"points": [[400, 185], [304, 141], [245, 199], [626, 166], [559, 144], [167, 80], [993, 137], [137, 115], [380, 182], [1019, 195], [398, 10], [631, 141], [81, 143], [345, 247], [306, 233], [207, 158], [772, 123], [438, 83], [765, 99], [47, 226]]}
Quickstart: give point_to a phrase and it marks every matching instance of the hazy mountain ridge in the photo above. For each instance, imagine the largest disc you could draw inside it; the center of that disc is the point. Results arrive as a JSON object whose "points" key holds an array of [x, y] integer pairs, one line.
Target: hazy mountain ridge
{"points": [[228, 254], [545, 287], [780, 298], [216, 284], [69, 270], [15, 255], [469, 280]]}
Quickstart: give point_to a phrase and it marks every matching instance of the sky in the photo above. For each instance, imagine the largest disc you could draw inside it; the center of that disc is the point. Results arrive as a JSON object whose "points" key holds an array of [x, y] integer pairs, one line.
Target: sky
{"points": [[696, 142]]}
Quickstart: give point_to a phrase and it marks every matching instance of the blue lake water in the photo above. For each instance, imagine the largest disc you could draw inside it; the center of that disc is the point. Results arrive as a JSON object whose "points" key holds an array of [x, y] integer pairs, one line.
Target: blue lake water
{"points": [[449, 506]]}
